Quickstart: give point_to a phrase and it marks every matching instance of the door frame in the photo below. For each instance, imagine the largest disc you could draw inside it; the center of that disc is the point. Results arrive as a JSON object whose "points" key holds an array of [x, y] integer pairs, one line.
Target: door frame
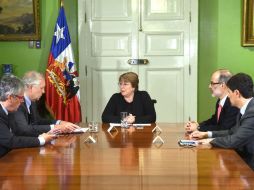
{"points": [[190, 110]]}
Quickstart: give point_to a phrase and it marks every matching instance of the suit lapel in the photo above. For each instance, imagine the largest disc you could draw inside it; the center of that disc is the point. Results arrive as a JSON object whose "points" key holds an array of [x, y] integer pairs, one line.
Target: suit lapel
{"points": [[216, 110], [32, 112], [4, 116], [24, 107]]}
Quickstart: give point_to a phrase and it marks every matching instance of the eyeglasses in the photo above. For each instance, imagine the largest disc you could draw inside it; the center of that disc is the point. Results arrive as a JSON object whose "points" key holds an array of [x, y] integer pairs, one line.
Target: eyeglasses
{"points": [[21, 98], [214, 83]]}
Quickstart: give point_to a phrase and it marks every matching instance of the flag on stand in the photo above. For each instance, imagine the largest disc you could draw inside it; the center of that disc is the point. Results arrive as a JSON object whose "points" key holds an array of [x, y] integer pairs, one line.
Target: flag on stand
{"points": [[62, 85]]}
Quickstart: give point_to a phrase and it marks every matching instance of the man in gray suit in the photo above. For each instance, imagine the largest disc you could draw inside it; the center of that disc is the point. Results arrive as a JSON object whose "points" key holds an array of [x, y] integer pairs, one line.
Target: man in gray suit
{"points": [[241, 136], [11, 96], [26, 120]]}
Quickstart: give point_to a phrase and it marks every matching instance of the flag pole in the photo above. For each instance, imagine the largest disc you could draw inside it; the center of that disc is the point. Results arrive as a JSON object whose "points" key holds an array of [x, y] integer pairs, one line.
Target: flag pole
{"points": [[62, 3]]}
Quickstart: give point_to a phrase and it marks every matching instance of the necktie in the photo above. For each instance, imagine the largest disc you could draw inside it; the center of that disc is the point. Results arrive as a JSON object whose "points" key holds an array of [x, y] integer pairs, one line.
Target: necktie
{"points": [[29, 115], [218, 112]]}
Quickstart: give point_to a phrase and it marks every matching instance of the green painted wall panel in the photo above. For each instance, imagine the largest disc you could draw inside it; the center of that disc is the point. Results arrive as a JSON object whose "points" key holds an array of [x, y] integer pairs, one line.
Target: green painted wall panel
{"points": [[231, 54], [207, 56], [24, 58], [226, 51]]}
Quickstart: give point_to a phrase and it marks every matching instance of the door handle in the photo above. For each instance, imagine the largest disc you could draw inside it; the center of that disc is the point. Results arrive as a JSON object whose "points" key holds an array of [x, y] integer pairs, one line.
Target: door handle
{"points": [[138, 61]]}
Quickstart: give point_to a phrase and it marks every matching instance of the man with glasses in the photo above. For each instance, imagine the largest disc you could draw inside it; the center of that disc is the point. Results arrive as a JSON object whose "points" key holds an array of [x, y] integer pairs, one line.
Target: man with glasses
{"points": [[11, 96], [225, 114], [26, 120], [239, 137]]}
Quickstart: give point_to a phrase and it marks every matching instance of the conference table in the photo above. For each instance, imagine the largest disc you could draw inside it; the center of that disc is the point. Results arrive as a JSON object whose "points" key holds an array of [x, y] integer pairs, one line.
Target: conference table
{"points": [[134, 158]]}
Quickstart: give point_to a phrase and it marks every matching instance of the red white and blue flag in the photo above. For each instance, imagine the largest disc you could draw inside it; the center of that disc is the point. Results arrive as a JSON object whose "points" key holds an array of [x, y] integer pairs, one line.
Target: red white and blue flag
{"points": [[62, 85]]}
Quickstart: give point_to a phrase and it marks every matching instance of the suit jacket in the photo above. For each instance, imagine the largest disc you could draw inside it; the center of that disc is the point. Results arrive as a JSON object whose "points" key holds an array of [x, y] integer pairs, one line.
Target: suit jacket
{"points": [[8, 140], [25, 124], [240, 137], [226, 121], [141, 106]]}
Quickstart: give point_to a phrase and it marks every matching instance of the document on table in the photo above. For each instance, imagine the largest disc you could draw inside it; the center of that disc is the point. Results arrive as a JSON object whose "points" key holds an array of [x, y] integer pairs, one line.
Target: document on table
{"points": [[134, 124], [81, 130], [141, 124]]}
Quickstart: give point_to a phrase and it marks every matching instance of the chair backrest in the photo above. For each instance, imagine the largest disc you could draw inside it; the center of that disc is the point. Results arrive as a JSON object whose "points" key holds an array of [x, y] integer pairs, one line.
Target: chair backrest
{"points": [[154, 101]]}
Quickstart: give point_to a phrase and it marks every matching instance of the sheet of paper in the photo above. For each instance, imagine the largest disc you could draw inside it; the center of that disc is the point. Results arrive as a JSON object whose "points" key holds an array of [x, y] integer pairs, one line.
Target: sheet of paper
{"points": [[134, 124], [115, 124], [141, 124], [81, 130]]}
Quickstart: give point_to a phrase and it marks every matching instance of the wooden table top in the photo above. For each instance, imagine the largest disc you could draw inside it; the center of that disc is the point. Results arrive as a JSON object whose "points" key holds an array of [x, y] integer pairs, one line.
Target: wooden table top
{"points": [[124, 159]]}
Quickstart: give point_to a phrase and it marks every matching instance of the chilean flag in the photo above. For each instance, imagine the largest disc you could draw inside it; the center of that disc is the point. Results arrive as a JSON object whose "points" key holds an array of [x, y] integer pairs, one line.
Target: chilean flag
{"points": [[62, 84]]}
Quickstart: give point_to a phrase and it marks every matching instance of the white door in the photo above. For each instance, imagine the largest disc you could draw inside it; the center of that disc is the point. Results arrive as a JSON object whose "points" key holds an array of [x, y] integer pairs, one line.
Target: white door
{"points": [[111, 32]]}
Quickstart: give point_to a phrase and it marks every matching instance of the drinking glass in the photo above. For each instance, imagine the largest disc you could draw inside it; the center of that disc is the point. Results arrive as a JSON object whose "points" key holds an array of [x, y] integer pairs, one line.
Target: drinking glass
{"points": [[124, 122], [93, 126]]}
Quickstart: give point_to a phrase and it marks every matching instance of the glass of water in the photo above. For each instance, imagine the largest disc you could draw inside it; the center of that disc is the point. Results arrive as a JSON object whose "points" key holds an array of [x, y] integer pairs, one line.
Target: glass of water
{"points": [[124, 122], [93, 126]]}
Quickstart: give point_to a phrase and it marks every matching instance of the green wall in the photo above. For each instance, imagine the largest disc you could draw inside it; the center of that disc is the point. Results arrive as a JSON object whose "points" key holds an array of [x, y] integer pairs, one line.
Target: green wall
{"points": [[220, 47], [207, 54], [24, 58], [219, 44]]}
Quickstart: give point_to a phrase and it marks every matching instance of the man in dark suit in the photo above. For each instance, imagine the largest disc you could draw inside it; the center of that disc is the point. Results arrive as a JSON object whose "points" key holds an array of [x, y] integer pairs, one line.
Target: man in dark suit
{"points": [[241, 136], [26, 120], [11, 95], [225, 114]]}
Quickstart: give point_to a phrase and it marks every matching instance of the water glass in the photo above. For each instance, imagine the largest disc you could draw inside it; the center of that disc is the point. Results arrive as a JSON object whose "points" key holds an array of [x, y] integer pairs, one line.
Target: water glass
{"points": [[93, 126], [124, 122]]}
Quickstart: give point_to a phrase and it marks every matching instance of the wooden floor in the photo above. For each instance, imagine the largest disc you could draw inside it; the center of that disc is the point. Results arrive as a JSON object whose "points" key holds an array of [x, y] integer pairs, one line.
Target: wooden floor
{"points": [[124, 159]]}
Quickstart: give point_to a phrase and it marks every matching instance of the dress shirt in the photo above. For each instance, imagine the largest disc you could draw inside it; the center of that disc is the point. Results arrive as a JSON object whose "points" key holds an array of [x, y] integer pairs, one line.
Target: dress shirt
{"points": [[243, 109], [5, 110], [223, 100]]}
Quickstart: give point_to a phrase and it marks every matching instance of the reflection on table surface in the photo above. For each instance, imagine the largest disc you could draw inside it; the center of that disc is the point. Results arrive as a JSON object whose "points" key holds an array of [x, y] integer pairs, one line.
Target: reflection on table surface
{"points": [[124, 159]]}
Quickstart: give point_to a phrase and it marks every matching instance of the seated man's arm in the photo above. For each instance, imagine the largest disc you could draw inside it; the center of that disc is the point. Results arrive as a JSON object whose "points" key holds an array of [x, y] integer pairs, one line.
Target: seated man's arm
{"points": [[20, 125], [237, 136]]}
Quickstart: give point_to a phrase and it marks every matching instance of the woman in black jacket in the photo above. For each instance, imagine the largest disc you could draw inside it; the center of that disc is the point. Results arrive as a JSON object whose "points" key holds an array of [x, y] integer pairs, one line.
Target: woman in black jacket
{"points": [[137, 103]]}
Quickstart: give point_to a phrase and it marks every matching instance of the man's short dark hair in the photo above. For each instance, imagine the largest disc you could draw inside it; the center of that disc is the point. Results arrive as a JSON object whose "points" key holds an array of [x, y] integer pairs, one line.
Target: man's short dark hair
{"points": [[243, 83]]}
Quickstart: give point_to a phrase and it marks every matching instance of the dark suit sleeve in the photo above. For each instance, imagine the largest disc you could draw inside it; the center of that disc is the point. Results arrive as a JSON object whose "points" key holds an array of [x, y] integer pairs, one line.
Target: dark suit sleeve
{"points": [[9, 141], [149, 115], [237, 136], [209, 124], [222, 133], [21, 127], [227, 122], [109, 114]]}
